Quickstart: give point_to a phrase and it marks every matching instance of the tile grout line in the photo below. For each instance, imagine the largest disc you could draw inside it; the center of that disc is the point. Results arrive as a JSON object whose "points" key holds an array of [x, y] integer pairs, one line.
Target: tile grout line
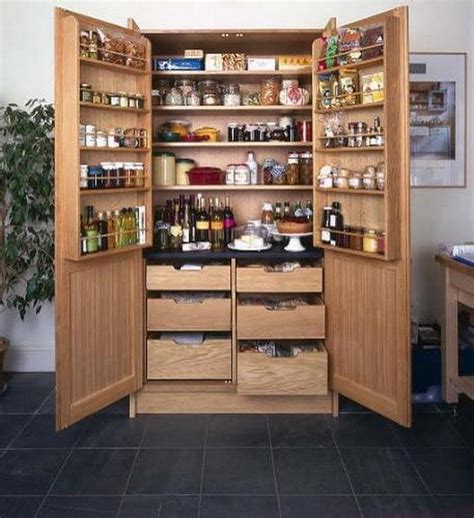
{"points": [[132, 467], [344, 467], [63, 465], [410, 460], [277, 492], [201, 487]]}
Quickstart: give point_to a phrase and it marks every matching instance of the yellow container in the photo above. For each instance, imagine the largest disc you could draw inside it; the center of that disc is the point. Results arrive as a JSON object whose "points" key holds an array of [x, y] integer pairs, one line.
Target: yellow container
{"points": [[183, 165]]}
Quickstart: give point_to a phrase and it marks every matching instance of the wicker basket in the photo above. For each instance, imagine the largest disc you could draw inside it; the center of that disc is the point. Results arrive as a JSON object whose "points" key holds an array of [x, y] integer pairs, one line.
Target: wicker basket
{"points": [[4, 343]]}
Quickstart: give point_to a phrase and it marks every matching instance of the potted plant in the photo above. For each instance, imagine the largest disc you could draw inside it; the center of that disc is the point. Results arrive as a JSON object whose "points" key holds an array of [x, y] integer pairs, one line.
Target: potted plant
{"points": [[26, 209]]}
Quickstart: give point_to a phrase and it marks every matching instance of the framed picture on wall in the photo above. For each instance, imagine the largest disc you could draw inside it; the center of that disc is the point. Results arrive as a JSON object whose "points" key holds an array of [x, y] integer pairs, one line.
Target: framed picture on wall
{"points": [[438, 119]]}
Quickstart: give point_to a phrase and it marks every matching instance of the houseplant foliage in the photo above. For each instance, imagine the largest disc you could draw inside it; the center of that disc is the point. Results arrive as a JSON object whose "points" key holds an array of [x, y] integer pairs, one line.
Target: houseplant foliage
{"points": [[26, 206]]}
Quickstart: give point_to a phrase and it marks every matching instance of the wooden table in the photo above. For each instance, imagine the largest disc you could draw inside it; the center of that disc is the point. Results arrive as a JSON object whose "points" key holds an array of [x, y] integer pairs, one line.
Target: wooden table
{"points": [[459, 288]]}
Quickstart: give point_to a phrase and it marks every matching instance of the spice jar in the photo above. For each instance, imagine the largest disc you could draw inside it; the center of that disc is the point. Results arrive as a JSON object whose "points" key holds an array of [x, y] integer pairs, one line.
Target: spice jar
{"points": [[114, 99], [269, 91], [97, 98], [293, 169], [368, 178], [277, 134], [306, 168], [164, 168], [355, 238], [86, 93], [345, 239], [112, 139], [123, 100], [355, 181], [132, 101], [381, 242], [370, 241], [183, 165], [232, 95], [129, 173], [140, 101], [342, 179], [101, 139], [233, 132], [139, 174], [83, 172], [242, 174]]}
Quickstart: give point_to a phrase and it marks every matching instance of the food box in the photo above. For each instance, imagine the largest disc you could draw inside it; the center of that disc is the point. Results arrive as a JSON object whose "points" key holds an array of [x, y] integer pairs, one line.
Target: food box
{"points": [[294, 61], [194, 53], [233, 61], [214, 62], [372, 87], [177, 63], [261, 63]]}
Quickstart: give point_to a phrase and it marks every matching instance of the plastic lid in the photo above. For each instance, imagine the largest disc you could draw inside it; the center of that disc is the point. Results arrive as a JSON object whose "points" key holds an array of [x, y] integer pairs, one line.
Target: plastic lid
{"points": [[185, 161]]}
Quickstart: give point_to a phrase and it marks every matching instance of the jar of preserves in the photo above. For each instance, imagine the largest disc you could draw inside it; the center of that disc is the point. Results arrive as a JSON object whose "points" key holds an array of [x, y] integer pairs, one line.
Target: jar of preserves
{"points": [[306, 168], [139, 174], [293, 169], [164, 168], [269, 91], [241, 175], [183, 165], [232, 95], [129, 173], [355, 238], [107, 177], [86, 93], [119, 174], [370, 244], [233, 132], [277, 134]]}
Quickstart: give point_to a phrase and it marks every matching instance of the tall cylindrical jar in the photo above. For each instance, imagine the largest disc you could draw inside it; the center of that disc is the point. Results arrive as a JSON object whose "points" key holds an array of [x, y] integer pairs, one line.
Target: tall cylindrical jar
{"points": [[183, 165], [164, 168]]}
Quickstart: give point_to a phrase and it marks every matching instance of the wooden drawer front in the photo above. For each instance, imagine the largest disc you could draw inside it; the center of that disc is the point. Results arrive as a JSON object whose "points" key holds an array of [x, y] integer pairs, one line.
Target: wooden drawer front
{"points": [[257, 280], [305, 374], [166, 277], [259, 322], [209, 315], [210, 360]]}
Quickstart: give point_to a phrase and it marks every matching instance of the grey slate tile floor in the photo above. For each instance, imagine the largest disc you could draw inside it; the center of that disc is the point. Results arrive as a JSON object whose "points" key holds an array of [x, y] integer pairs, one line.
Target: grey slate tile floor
{"points": [[219, 466]]}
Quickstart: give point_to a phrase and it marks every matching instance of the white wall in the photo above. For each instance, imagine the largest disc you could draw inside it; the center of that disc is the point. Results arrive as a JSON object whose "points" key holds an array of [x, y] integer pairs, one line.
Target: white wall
{"points": [[26, 60]]}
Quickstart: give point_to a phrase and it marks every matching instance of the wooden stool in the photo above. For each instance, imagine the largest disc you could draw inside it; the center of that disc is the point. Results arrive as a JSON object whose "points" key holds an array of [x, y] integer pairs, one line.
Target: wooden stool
{"points": [[4, 343]]}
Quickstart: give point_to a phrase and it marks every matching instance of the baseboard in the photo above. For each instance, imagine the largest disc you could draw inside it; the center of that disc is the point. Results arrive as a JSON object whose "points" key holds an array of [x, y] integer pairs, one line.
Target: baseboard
{"points": [[29, 359]]}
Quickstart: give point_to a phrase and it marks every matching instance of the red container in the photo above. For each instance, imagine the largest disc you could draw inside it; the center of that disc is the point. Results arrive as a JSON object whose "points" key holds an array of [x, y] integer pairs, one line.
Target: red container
{"points": [[205, 176]]}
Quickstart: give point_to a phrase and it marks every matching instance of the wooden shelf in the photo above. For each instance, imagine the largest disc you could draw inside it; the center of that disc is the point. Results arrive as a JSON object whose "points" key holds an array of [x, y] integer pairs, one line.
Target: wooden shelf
{"points": [[230, 144], [232, 109], [225, 187], [226, 74], [368, 255], [112, 66], [378, 104], [349, 149], [335, 190], [114, 251], [121, 190], [114, 149], [357, 66], [96, 106]]}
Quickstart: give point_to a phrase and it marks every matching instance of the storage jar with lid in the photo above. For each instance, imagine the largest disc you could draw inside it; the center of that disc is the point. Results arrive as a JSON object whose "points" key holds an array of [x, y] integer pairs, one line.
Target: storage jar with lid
{"points": [[269, 91], [242, 175], [86, 93], [183, 165], [140, 171], [355, 238], [123, 100], [164, 168], [293, 169], [370, 244], [210, 92], [229, 174], [267, 214], [232, 95], [114, 99], [174, 97], [306, 168]]}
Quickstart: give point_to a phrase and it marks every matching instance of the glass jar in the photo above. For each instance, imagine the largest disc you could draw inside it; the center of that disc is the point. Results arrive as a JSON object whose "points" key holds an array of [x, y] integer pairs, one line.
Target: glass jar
{"points": [[101, 139], [97, 98], [306, 168], [277, 134], [107, 178], [86, 93], [123, 100], [192, 98], [355, 181], [210, 92], [293, 169], [132, 101], [229, 174], [82, 134], [380, 242], [164, 168], [233, 132], [129, 173], [370, 244], [183, 165], [139, 174], [267, 214], [90, 139], [112, 140], [269, 91], [232, 95], [105, 98], [345, 239], [185, 85], [83, 172], [114, 99], [241, 175], [140, 101], [119, 174]]}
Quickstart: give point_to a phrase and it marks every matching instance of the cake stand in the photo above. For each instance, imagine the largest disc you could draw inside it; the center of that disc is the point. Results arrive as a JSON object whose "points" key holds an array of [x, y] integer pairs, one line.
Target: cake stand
{"points": [[294, 244]]}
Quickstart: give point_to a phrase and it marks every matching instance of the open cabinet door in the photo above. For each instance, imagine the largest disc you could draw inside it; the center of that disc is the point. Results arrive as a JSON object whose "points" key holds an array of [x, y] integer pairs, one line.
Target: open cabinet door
{"points": [[367, 294], [99, 296]]}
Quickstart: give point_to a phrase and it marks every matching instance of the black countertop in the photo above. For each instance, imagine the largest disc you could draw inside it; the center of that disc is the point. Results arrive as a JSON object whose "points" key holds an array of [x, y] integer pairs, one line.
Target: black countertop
{"points": [[274, 254]]}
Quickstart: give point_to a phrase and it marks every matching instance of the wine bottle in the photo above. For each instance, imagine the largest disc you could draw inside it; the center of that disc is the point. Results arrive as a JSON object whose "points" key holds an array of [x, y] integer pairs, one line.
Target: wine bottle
{"points": [[229, 222]]}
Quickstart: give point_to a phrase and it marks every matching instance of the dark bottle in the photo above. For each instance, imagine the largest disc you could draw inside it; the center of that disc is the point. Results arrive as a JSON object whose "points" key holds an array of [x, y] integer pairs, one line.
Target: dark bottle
{"points": [[217, 226], [286, 210], [336, 222], [102, 229], [83, 237], [202, 222], [186, 228], [325, 224], [229, 222], [277, 214], [192, 219]]}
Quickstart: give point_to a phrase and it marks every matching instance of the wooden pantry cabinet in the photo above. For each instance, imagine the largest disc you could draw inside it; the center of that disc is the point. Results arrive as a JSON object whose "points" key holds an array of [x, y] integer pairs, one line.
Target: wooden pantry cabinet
{"points": [[112, 308]]}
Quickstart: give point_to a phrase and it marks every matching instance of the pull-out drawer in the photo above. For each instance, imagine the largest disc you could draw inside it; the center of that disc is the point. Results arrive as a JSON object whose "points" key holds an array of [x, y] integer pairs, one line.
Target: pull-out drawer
{"points": [[168, 360], [167, 277], [208, 315], [304, 374], [255, 322], [257, 280]]}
